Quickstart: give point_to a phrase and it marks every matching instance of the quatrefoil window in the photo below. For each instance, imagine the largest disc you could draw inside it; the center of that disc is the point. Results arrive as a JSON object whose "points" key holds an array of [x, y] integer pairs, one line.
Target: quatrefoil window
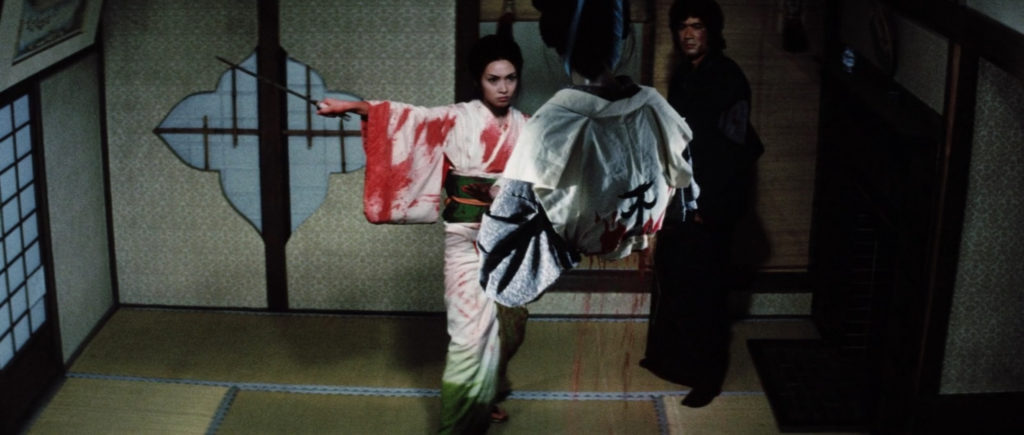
{"points": [[219, 131]]}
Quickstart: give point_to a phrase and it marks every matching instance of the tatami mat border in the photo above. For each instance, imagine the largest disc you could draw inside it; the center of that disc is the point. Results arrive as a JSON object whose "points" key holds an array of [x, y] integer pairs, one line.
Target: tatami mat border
{"points": [[256, 312], [383, 315], [222, 411], [611, 318], [268, 387], [659, 410], [388, 315], [398, 392]]}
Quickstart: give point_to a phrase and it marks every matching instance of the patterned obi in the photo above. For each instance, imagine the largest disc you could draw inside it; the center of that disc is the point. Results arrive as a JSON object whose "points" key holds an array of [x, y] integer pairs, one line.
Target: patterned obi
{"points": [[468, 197]]}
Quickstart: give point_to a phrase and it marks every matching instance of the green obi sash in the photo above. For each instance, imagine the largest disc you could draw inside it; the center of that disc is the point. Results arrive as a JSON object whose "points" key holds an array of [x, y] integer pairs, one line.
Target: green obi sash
{"points": [[461, 206]]}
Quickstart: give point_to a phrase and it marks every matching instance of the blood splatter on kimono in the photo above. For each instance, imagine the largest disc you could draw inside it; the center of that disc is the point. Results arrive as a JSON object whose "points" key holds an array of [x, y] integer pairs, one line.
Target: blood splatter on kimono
{"points": [[411, 152]]}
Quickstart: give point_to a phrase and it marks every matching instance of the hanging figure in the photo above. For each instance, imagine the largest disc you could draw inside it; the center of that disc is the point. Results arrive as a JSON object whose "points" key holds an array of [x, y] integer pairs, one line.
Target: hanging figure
{"points": [[411, 152], [595, 167]]}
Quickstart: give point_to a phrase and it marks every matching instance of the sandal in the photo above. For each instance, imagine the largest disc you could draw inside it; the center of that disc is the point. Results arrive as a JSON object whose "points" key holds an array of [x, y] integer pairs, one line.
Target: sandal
{"points": [[498, 415]]}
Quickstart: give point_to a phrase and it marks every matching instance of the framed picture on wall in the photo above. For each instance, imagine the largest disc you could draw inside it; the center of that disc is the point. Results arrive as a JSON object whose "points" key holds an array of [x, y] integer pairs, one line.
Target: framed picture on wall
{"points": [[45, 23], [36, 34]]}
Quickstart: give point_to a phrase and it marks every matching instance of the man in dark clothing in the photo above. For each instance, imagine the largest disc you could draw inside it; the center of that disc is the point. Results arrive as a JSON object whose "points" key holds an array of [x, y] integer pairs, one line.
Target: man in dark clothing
{"points": [[689, 329]]}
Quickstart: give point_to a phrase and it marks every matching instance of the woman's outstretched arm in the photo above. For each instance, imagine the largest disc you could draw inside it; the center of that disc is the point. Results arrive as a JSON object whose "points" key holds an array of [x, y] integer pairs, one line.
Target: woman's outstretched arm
{"points": [[333, 107]]}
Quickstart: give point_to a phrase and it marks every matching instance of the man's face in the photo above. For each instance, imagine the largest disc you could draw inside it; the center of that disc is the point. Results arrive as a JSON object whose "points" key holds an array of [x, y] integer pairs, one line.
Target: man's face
{"points": [[693, 38]]}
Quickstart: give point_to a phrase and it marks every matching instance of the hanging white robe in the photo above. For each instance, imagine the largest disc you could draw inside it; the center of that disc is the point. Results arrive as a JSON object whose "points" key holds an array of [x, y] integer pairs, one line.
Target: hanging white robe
{"points": [[587, 176]]}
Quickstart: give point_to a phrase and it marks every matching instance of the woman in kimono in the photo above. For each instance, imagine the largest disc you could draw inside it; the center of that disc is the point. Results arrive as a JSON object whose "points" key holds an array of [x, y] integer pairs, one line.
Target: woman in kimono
{"points": [[594, 169], [411, 153]]}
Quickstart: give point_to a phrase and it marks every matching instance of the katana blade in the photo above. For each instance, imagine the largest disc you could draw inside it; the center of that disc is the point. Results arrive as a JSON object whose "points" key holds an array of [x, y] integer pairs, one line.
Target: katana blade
{"points": [[269, 82]]}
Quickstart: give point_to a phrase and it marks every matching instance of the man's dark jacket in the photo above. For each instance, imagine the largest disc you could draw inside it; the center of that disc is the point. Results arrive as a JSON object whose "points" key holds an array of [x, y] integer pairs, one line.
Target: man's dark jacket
{"points": [[714, 98]]}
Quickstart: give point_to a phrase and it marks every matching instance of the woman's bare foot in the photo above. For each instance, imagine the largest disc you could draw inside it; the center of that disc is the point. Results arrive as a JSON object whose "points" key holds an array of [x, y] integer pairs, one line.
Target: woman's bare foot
{"points": [[498, 415]]}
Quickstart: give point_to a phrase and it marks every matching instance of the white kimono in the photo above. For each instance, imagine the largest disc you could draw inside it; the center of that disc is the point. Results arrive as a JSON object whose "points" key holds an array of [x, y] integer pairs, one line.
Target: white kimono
{"points": [[589, 176], [409, 152]]}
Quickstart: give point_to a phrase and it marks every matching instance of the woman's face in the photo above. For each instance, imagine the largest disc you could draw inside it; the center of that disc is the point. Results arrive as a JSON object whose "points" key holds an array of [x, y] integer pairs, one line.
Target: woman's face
{"points": [[498, 84]]}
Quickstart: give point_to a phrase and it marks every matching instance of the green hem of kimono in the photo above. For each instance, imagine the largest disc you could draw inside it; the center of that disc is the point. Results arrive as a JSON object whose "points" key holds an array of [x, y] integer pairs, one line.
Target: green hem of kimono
{"points": [[471, 416]]}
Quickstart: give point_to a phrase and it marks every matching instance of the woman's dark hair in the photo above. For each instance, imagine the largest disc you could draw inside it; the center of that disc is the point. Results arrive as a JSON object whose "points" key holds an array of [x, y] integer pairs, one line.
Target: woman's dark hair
{"points": [[598, 32], [491, 48], [709, 13]]}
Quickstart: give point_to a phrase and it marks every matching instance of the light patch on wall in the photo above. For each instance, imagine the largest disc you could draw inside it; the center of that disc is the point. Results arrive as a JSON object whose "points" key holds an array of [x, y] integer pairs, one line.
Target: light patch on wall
{"points": [[985, 342], [1008, 12]]}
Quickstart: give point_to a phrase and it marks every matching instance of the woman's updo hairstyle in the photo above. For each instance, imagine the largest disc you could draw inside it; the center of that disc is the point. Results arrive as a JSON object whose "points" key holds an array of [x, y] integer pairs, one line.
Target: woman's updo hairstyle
{"points": [[491, 48], [595, 43]]}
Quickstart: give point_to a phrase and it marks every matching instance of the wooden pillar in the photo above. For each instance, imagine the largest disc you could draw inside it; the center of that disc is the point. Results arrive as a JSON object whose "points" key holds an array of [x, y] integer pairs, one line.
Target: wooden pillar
{"points": [[274, 195]]}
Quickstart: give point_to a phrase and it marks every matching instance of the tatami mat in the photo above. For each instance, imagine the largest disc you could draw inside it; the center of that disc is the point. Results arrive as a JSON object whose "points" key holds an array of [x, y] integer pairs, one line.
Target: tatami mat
{"points": [[256, 412], [230, 372], [87, 406], [604, 356], [396, 352], [289, 349], [579, 417], [729, 414]]}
